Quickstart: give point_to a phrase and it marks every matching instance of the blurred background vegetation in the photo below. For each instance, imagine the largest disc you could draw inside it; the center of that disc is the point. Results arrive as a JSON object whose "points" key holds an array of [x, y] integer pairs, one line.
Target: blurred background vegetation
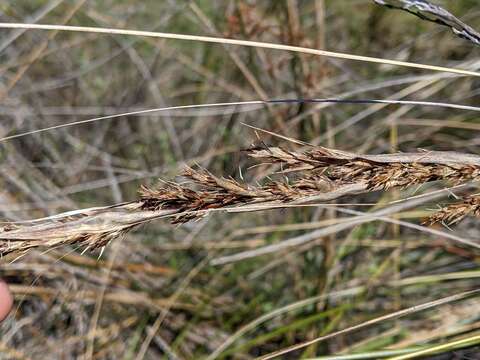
{"points": [[155, 293]]}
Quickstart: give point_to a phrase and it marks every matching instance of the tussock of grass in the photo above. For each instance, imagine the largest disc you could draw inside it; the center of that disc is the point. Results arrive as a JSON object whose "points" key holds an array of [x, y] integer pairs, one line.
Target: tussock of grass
{"points": [[331, 272]]}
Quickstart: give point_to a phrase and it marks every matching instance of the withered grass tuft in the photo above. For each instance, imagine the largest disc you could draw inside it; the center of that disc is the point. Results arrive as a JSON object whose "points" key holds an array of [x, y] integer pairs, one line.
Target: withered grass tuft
{"points": [[289, 249]]}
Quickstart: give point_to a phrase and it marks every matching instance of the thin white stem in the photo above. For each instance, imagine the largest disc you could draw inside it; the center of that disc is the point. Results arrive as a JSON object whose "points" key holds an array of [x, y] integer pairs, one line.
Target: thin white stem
{"points": [[236, 42], [237, 105]]}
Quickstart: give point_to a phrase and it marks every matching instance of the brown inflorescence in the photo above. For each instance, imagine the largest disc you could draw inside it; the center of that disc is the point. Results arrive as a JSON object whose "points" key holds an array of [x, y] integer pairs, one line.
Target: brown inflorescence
{"points": [[320, 175], [213, 192], [342, 167], [454, 213]]}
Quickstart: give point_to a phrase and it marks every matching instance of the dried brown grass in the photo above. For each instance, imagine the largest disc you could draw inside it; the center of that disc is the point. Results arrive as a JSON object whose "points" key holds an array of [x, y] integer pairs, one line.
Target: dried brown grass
{"points": [[57, 299], [380, 172], [318, 174], [452, 214]]}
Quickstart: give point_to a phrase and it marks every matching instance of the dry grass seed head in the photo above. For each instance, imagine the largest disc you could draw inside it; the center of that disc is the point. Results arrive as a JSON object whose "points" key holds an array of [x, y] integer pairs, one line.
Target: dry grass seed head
{"points": [[454, 213]]}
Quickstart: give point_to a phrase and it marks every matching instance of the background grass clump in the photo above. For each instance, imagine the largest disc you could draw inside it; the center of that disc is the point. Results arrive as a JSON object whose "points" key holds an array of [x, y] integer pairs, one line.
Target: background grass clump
{"points": [[156, 293]]}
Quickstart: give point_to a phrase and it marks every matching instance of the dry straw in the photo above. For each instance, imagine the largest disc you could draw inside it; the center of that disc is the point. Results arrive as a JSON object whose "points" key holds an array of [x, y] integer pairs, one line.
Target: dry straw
{"points": [[236, 42]]}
